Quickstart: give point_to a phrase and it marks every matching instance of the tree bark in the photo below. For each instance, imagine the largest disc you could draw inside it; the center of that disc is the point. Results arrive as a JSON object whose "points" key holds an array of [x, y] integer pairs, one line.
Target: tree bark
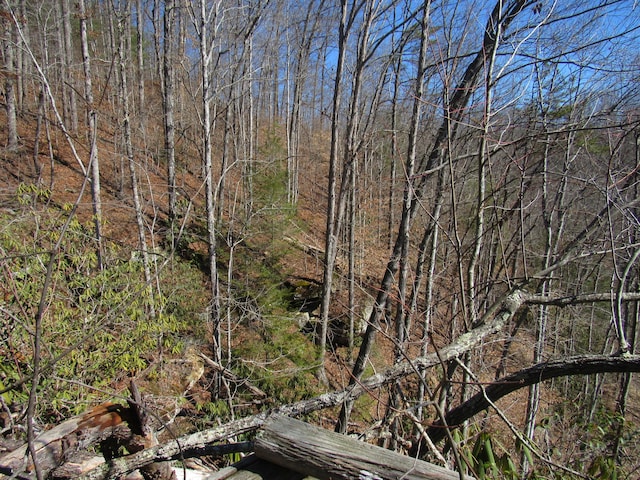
{"points": [[403, 313], [128, 145], [206, 22], [70, 105], [330, 234], [140, 55], [10, 88]]}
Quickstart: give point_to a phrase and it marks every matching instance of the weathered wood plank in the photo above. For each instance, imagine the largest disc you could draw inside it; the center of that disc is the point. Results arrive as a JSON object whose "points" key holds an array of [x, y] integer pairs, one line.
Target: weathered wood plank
{"points": [[327, 455], [253, 468]]}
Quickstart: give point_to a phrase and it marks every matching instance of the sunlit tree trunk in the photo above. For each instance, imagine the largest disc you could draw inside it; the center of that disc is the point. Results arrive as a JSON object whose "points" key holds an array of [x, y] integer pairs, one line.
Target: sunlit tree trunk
{"points": [[430, 250], [123, 61], [351, 232], [206, 21], [553, 220], [69, 93], [158, 11], [393, 154], [470, 294], [353, 143], [300, 71], [92, 133], [168, 104], [330, 234], [140, 54], [403, 313], [628, 313], [10, 80]]}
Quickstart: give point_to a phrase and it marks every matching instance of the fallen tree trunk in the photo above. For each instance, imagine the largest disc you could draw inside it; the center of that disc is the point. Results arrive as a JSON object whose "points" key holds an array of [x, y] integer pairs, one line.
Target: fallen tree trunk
{"points": [[497, 317], [77, 433], [579, 365], [109, 424]]}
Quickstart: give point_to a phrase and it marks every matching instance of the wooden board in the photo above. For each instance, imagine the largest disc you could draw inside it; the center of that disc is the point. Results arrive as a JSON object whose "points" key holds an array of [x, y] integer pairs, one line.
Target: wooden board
{"points": [[253, 468], [314, 451]]}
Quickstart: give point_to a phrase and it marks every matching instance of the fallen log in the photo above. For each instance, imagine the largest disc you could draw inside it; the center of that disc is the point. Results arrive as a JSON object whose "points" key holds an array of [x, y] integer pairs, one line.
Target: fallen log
{"points": [[110, 425], [310, 450], [496, 318], [55, 446]]}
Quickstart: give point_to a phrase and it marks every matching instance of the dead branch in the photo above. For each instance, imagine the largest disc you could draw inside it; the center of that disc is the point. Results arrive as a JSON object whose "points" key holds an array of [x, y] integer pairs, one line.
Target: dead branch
{"points": [[579, 365]]}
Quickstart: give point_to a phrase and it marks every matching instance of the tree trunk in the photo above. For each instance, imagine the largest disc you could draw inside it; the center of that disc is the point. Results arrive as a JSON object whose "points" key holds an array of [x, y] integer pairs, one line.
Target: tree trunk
{"points": [[123, 26], [403, 313], [206, 24], [168, 104], [92, 127], [10, 88], [69, 94], [325, 455], [330, 234], [579, 365], [140, 55]]}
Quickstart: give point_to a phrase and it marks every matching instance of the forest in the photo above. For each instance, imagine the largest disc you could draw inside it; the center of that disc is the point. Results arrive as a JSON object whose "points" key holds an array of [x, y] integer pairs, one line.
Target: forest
{"points": [[413, 222]]}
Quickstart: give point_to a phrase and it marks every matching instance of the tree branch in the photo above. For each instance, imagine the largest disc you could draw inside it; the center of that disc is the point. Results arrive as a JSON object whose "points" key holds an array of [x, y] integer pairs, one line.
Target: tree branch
{"points": [[579, 365]]}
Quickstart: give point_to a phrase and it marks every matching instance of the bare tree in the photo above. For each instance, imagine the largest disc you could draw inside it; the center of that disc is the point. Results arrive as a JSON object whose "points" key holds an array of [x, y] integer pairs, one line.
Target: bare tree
{"points": [[330, 235], [92, 132], [206, 19], [304, 40], [168, 104], [339, 183], [124, 17], [498, 21], [10, 81], [140, 53], [403, 314], [69, 93]]}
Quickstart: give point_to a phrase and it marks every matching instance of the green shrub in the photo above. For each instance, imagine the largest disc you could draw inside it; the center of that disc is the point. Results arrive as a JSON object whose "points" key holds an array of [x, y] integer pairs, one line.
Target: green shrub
{"points": [[282, 363], [96, 327]]}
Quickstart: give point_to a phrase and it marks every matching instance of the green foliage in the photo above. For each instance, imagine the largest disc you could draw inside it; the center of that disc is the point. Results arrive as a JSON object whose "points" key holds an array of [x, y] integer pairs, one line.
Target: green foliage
{"points": [[186, 298], [96, 327], [276, 356], [29, 194], [214, 410], [485, 460], [603, 468], [597, 440], [271, 208], [282, 364]]}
